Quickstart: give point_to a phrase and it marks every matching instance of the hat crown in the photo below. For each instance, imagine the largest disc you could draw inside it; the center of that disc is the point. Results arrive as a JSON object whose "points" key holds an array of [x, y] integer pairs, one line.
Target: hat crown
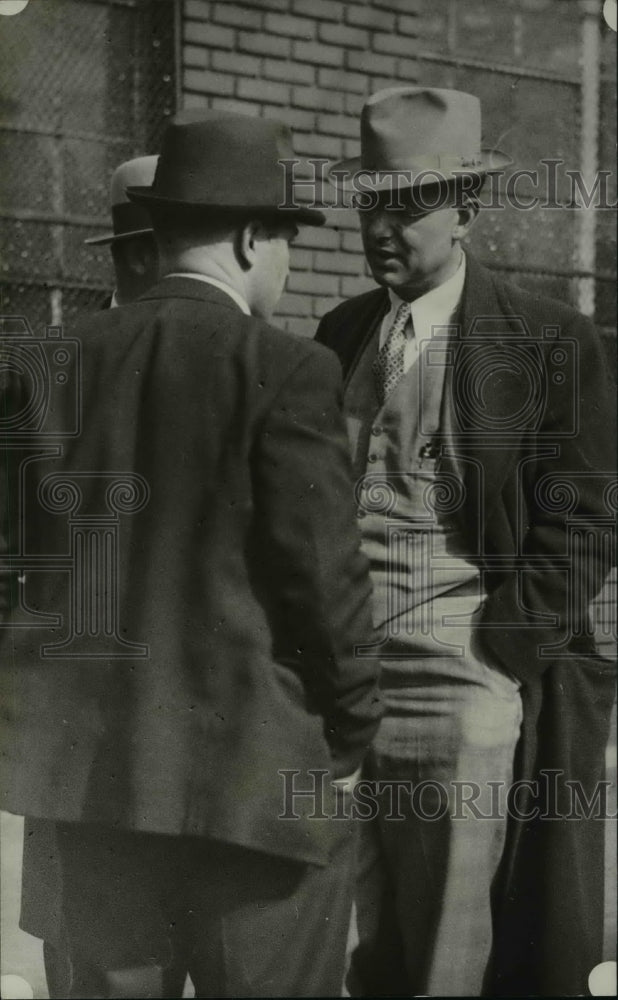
{"points": [[140, 170], [223, 159], [403, 126]]}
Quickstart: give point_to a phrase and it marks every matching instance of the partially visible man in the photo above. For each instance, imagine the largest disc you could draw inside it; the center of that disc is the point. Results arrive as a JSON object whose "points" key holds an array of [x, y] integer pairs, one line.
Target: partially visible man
{"points": [[131, 242], [471, 406], [204, 640], [135, 261]]}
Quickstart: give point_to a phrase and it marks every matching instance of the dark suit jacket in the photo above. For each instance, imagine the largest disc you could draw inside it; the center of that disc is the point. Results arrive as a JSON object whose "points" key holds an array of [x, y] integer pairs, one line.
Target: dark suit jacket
{"points": [[240, 576], [533, 429]]}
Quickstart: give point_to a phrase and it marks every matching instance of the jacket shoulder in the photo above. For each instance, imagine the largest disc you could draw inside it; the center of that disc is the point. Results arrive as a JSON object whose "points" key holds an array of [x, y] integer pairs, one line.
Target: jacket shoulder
{"points": [[542, 309]]}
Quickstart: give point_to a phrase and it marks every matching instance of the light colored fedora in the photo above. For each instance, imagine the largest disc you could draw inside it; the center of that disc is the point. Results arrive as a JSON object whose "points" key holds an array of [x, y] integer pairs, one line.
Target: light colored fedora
{"points": [[415, 136], [128, 218]]}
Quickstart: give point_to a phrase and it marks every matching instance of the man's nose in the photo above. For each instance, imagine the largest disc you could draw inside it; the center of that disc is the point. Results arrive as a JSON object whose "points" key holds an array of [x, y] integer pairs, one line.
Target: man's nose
{"points": [[379, 224]]}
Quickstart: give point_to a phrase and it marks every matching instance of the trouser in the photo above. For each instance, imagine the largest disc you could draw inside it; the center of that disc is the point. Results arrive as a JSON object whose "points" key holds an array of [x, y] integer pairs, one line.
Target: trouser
{"points": [[243, 923], [428, 861]]}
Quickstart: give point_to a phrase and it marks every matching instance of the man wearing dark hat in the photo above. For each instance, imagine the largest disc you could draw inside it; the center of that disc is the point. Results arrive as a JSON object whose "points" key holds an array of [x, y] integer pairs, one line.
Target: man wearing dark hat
{"points": [[478, 417], [193, 689]]}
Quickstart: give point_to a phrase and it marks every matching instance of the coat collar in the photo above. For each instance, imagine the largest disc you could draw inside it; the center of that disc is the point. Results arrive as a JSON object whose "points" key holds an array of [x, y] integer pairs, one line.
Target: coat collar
{"points": [[189, 288]]}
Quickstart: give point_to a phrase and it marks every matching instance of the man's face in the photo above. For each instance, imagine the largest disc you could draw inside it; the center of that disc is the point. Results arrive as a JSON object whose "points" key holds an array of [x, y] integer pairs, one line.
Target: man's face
{"points": [[273, 266], [410, 249]]}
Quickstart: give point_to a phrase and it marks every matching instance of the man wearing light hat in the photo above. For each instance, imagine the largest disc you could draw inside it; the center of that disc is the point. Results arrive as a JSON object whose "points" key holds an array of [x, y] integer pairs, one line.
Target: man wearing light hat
{"points": [[134, 251], [217, 646], [471, 405]]}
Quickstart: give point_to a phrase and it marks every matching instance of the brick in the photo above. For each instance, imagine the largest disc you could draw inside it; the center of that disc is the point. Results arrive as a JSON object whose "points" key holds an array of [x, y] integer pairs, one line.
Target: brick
{"points": [[343, 219], [239, 17], [301, 260], [356, 286], [326, 10], [207, 82], [292, 72], [234, 62], [381, 82], [338, 125], [392, 44], [232, 104], [407, 69], [195, 101], [352, 242], [401, 6], [337, 263], [341, 79], [318, 238], [267, 4], [262, 90], [324, 305], [294, 305], [314, 97], [354, 103], [308, 282], [370, 63], [198, 9], [196, 33], [194, 56], [408, 25], [351, 147], [326, 146], [321, 55], [264, 45], [287, 24], [369, 17], [343, 34], [298, 121]]}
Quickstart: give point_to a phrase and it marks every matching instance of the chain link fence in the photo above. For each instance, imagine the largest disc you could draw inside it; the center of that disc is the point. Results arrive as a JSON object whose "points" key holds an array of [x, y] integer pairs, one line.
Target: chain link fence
{"points": [[85, 84]]}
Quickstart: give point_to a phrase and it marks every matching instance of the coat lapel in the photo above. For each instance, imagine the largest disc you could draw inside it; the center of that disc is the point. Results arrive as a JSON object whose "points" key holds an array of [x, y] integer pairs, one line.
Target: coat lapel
{"points": [[484, 388]]}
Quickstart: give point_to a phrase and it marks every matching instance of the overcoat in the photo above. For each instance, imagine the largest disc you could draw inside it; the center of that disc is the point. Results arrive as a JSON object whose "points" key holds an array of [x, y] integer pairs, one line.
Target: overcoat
{"points": [[531, 411], [192, 581]]}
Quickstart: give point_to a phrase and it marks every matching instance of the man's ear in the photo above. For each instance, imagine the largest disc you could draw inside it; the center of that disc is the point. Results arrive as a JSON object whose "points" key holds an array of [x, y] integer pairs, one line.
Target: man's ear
{"points": [[246, 244], [467, 212]]}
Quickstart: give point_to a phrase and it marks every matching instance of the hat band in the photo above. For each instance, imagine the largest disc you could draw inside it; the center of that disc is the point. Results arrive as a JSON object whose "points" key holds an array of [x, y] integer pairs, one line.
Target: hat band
{"points": [[129, 217], [441, 163]]}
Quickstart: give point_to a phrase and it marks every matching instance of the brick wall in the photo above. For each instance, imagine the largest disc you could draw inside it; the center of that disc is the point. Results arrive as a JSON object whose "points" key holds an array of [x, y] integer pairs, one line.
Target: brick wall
{"points": [[311, 63]]}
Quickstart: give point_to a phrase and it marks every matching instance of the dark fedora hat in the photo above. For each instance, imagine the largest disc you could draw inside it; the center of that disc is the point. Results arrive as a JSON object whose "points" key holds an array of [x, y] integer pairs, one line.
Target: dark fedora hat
{"points": [[418, 135], [225, 161], [128, 218]]}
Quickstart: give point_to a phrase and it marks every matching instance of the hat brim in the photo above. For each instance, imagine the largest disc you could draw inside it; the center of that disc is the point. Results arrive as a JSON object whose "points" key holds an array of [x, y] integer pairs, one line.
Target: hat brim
{"points": [[308, 216], [115, 237], [492, 161]]}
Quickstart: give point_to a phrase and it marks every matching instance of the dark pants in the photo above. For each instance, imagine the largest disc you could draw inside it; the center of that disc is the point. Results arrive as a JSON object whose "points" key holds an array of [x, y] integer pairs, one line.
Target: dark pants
{"points": [[243, 923]]}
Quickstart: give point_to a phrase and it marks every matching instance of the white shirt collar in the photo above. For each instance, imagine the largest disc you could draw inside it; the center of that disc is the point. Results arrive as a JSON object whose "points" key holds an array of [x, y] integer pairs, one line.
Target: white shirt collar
{"points": [[436, 307], [114, 303], [238, 299]]}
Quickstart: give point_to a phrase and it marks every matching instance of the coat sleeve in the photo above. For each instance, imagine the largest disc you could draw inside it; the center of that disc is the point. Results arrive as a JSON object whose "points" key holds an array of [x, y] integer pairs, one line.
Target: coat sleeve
{"points": [[569, 507], [320, 583]]}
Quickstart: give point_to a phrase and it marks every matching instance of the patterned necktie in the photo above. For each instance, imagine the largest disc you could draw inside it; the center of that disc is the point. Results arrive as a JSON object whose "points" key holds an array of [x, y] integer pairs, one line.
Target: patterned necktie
{"points": [[388, 367]]}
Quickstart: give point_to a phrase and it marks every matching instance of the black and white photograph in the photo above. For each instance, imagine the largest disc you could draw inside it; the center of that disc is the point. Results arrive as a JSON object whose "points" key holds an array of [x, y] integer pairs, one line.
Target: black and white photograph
{"points": [[308, 496]]}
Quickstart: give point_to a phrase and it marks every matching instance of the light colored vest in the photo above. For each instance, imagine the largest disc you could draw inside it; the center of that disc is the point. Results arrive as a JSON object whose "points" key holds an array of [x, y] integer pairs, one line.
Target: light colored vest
{"points": [[426, 593]]}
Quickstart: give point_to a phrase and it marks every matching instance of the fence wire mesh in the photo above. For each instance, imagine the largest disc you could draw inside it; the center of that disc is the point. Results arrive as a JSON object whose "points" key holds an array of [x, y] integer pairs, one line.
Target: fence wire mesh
{"points": [[85, 84]]}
